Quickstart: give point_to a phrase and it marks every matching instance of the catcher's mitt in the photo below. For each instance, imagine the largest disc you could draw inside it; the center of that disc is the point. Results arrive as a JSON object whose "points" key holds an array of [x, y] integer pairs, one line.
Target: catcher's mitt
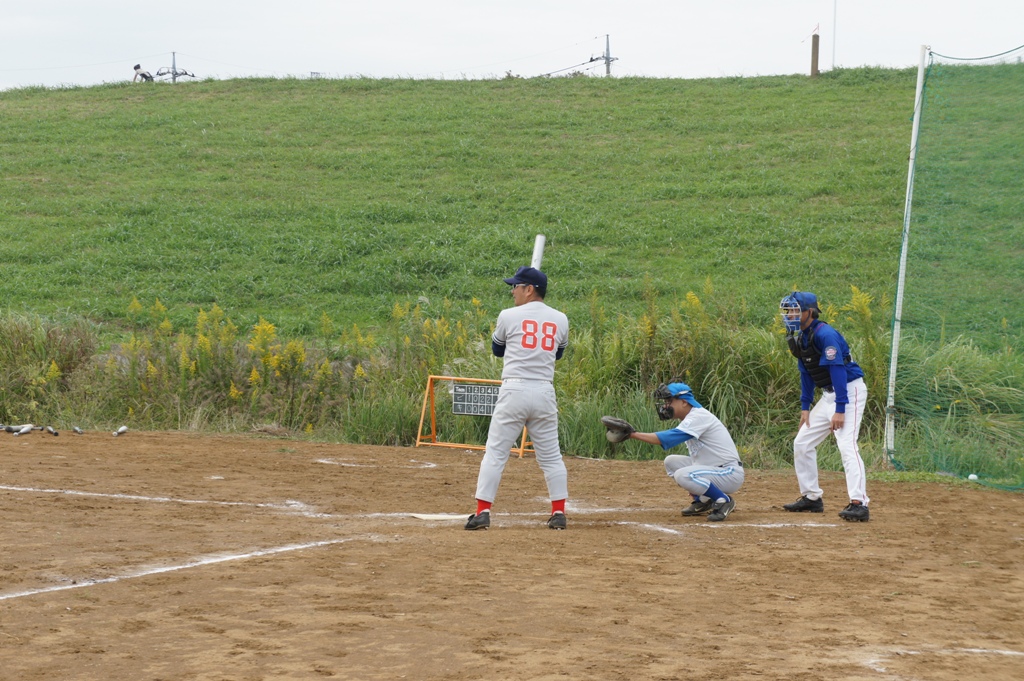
{"points": [[618, 429]]}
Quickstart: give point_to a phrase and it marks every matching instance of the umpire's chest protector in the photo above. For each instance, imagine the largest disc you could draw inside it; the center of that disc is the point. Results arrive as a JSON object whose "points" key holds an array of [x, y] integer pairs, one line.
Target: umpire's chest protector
{"points": [[810, 357]]}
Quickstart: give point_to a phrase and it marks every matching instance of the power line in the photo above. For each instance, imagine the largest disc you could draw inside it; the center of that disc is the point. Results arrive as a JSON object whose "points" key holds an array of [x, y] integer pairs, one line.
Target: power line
{"points": [[607, 58], [224, 63], [82, 66], [531, 56], [993, 56], [589, 61]]}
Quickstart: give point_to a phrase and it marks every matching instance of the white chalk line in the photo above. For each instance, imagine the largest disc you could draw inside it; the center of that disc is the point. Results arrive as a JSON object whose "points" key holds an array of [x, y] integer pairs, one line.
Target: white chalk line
{"points": [[670, 530], [289, 505], [876, 663], [303, 509], [209, 560], [648, 526], [731, 524], [336, 462]]}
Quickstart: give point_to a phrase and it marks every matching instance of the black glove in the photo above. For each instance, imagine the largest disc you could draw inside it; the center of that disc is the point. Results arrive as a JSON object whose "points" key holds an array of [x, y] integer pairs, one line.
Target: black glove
{"points": [[618, 429]]}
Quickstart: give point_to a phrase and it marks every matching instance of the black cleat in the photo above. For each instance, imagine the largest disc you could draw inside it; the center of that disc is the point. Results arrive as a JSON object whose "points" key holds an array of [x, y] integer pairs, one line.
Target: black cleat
{"points": [[855, 513], [803, 504], [556, 521], [721, 510], [480, 521], [698, 507]]}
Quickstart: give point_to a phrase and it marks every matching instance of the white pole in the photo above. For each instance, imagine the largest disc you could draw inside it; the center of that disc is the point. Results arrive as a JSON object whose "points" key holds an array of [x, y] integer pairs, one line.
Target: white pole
{"points": [[174, 67], [607, 55], [890, 421], [538, 251], [834, 3]]}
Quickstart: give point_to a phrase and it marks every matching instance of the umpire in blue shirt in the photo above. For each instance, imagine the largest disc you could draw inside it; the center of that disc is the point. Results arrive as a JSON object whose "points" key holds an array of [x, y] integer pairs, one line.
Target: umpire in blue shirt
{"points": [[825, 363]]}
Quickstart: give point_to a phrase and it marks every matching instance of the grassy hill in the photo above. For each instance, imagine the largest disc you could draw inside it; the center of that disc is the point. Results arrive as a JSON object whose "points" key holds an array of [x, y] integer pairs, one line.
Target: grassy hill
{"points": [[290, 199], [370, 222]]}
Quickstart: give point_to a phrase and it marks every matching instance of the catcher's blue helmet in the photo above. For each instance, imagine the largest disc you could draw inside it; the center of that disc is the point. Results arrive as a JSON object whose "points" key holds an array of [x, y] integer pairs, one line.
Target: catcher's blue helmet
{"points": [[680, 390]]}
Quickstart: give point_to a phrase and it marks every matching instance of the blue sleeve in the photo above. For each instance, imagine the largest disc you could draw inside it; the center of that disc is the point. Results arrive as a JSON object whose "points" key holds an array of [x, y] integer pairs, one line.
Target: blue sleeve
{"points": [[832, 346], [497, 348], [806, 388], [671, 438], [559, 353], [839, 380]]}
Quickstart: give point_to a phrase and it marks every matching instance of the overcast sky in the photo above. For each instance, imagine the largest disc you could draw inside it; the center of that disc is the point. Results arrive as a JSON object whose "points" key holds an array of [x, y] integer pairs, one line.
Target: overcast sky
{"points": [[83, 42]]}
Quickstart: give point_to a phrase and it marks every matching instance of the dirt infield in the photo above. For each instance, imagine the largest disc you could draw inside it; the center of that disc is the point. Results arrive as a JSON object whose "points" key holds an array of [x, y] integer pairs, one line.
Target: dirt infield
{"points": [[178, 556]]}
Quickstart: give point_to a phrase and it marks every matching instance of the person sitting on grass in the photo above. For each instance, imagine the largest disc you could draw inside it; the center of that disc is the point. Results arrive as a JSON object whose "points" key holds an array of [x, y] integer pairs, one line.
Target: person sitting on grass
{"points": [[144, 75]]}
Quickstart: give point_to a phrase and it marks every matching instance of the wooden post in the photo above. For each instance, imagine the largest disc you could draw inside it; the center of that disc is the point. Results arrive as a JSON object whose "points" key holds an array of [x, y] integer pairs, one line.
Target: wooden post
{"points": [[814, 56]]}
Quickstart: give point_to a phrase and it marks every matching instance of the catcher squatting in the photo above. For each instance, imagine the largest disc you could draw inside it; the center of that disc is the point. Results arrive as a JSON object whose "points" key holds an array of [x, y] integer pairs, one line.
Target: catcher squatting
{"points": [[713, 470]]}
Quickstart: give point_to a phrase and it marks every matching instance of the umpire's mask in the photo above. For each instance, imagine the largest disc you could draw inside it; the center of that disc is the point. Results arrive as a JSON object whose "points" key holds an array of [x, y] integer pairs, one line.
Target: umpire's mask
{"points": [[789, 310]]}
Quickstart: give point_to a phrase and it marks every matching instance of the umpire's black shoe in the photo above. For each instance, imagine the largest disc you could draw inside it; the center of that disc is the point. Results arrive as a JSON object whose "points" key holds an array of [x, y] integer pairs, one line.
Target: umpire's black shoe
{"points": [[480, 521], [556, 521], [698, 507], [721, 510], [855, 513], [803, 504]]}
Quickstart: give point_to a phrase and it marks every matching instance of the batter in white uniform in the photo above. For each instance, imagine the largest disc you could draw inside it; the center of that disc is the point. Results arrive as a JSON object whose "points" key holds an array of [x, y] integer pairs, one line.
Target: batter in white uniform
{"points": [[530, 337]]}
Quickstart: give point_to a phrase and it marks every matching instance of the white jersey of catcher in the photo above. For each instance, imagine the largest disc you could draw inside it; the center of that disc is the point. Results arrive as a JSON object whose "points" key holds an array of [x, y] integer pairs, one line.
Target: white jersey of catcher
{"points": [[711, 445], [531, 333]]}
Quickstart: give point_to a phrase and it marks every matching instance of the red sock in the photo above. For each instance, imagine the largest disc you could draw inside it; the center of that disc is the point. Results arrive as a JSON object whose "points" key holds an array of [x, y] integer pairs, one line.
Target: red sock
{"points": [[482, 506], [558, 506]]}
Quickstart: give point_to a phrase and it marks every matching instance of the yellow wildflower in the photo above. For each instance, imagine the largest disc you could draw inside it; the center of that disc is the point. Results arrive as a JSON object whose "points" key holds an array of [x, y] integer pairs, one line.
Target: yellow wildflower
{"points": [[158, 310], [202, 321], [326, 325], [203, 344], [53, 373]]}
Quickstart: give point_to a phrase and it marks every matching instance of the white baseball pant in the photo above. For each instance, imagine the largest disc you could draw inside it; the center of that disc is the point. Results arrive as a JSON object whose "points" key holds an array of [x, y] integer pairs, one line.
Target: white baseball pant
{"points": [[819, 425], [530, 403], [695, 478]]}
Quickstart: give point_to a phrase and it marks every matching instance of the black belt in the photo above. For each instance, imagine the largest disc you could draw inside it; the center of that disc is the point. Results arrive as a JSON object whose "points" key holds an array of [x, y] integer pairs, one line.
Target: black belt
{"points": [[726, 465]]}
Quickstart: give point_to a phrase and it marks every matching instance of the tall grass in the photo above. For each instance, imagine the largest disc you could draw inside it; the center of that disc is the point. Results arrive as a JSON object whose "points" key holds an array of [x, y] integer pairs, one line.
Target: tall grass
{"points": [[961, 411], [359, 386]]}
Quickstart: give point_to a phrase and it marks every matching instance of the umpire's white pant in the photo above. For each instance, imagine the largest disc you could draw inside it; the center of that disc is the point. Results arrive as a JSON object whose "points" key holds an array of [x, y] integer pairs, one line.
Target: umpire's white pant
{"points": [[529, 403], [819, 425]]}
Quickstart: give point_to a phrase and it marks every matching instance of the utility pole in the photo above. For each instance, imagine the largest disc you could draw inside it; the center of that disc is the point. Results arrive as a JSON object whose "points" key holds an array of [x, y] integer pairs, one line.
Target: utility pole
{"points": [[173, 71], [608, 58], [834, 7], [814, 55]]}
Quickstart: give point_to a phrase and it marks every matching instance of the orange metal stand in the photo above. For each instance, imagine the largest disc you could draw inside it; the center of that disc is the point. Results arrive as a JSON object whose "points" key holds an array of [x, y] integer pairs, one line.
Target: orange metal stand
{"points": [[431, 439]]}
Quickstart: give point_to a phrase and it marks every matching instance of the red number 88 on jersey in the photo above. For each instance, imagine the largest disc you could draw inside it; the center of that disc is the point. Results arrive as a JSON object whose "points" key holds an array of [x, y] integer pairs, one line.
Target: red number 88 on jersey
{"points": [[546, 337]]}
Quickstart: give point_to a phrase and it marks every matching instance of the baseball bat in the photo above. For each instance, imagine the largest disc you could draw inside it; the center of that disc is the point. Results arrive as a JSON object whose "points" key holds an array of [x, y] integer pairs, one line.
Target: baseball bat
{"points": [[538, 251]]}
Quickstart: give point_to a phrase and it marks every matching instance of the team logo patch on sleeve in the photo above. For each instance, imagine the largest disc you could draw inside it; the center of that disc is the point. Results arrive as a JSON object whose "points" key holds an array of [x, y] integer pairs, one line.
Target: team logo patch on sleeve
{"points": [[830, 353]]}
